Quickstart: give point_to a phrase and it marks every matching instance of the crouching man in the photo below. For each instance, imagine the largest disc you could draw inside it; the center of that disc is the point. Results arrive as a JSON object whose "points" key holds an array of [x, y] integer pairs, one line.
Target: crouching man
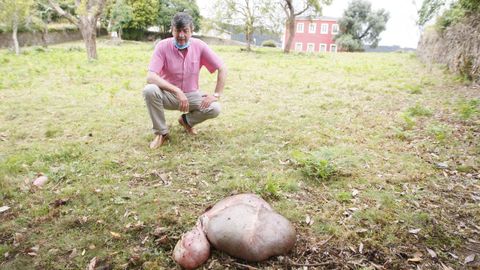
{"points": [[173, 80]]}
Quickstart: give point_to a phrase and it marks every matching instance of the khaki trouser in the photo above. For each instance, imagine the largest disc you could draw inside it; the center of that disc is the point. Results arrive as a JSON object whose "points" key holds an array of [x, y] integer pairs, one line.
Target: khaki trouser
{"points": [[158, 100]]}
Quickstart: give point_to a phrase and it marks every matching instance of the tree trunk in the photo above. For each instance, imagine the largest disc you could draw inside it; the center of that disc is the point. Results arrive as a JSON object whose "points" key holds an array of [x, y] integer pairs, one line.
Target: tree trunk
{"points": [[45, 36], [291, 31], [14, 35], [89, 35]]}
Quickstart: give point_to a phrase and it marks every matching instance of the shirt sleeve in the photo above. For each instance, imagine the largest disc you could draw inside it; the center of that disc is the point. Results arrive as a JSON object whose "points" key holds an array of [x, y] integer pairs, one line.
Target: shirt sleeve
{"points": [[157, 60], [210, 59]]}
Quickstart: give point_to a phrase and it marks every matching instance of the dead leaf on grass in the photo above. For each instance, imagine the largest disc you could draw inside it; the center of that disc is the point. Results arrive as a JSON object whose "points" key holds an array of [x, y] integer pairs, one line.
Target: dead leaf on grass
{"points": [[414, 231], [355, 192], [415, 259], [360, 248], [73, 254], [445, 267], [469, 258], [92, 264], [4, 208], [116, 235], [309, 220], [432, 253]]}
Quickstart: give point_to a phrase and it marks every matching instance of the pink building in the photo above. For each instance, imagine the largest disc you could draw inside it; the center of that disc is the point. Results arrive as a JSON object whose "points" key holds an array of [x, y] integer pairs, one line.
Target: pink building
{"points": [[314, 34]]}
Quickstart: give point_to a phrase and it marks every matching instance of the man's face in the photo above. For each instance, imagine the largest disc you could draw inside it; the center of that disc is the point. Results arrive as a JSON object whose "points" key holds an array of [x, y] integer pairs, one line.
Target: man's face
{"points": [[182, 35]]}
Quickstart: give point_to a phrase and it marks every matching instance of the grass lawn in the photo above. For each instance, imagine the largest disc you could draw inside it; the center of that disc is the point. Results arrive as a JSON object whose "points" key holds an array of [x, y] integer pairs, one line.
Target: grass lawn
{"points": [[373, 157]]}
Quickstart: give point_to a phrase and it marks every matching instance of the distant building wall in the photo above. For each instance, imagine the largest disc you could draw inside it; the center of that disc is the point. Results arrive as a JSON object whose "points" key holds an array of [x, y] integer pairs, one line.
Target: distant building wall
{"points": [[314, 34]]}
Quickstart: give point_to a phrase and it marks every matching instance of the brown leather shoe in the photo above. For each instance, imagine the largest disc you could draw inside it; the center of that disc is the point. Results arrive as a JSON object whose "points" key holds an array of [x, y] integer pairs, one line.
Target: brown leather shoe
{"points": [[158, 141], [190, 130]]}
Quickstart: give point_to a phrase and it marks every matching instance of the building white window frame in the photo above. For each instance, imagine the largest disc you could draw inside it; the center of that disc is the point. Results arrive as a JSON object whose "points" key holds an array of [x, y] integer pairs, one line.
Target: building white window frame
{"points": [[310, 47], [335, 29], [324, 28], [324, 47], [297, 47], [333, 48], [312, 28], [300, 27]]}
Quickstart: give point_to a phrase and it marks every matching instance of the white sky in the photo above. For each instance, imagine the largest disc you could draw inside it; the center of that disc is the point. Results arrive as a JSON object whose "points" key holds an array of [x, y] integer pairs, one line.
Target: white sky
{"points": [[401, 28]]}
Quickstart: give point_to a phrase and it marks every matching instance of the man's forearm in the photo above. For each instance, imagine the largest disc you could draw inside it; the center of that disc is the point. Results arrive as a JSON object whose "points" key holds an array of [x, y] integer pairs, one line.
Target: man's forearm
{"points": [[221, 78], [153, 78]]}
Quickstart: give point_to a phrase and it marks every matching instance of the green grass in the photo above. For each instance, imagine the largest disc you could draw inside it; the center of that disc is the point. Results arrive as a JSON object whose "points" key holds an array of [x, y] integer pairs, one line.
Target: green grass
{"points": [[301, 130]]}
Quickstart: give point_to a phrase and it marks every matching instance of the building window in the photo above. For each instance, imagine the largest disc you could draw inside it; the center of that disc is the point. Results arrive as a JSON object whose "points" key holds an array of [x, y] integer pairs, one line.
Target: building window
{"points": [[300, 28], [310, 47], [323, 47], [334, 29], [324, 29], [298, 46], [312, 28], [333, 47]]}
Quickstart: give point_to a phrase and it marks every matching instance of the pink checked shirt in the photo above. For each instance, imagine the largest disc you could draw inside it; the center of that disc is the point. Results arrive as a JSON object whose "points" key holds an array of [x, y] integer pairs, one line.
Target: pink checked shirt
{"points": [[179, 70]]}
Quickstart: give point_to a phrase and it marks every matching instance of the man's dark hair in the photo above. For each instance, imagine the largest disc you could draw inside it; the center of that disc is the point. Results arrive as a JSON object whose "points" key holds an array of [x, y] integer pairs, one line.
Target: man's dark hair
{"points": [[182, 20]]}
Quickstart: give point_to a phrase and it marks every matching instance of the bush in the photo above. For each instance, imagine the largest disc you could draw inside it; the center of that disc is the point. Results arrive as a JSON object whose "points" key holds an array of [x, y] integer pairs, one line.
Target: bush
{"points": [[316, 168], [269, 43]]}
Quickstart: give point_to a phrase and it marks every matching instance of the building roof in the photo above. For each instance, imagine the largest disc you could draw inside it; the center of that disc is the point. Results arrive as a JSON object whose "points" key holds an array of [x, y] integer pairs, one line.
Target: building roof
{"points": [[317, 18]]}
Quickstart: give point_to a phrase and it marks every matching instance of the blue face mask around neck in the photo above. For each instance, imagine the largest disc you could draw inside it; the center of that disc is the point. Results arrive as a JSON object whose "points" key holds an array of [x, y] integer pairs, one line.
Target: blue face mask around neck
{"points": [[181, 47]]}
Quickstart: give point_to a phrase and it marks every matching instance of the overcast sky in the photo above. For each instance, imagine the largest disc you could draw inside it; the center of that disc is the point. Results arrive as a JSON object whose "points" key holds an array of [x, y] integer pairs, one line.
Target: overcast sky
{"points": [[401, 29]]}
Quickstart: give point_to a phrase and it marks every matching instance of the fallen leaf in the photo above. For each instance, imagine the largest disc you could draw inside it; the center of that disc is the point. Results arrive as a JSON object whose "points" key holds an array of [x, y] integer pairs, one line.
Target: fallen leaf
{"points": [[453, 255], [159, 231], [4, 208], [445, 267], [469, 258], [362, 230], [92, 264], [73, 254], [355, 192], [115, 235], [415, 259], [414, 231], [17, 239], [432, 253], [441, 165], [309, 220], [360, 248]]}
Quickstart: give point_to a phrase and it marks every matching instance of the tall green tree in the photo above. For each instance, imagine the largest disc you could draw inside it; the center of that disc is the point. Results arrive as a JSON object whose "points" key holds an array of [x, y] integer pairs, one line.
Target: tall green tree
{"points": [[144, 15], [247, 13], [120, 15], [15, 14], [85, 17], [168, 8], [361, 26], [293, 9]]}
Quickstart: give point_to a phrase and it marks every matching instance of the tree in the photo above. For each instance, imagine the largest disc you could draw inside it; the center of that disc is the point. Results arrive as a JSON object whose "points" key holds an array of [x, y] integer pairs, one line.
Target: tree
{"points": [[15, 14], [85, 18], [145, 14], [289, 8], [168, 8], [121, 14], [248, 13], [457, 11], [360, 26]]}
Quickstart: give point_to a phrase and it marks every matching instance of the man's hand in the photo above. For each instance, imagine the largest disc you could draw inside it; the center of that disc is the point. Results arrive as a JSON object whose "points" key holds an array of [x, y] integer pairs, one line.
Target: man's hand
{"points": [[207, 100], [183, 101]]}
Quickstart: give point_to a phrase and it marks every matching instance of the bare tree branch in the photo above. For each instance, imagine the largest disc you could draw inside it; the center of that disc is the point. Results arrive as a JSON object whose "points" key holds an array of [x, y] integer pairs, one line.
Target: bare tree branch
{"points": [[63, 13]]}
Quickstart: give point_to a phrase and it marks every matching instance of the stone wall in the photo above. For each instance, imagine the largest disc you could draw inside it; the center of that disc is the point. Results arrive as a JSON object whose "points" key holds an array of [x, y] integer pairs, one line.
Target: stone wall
{"points": [[458, 47], [37, 38]]}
